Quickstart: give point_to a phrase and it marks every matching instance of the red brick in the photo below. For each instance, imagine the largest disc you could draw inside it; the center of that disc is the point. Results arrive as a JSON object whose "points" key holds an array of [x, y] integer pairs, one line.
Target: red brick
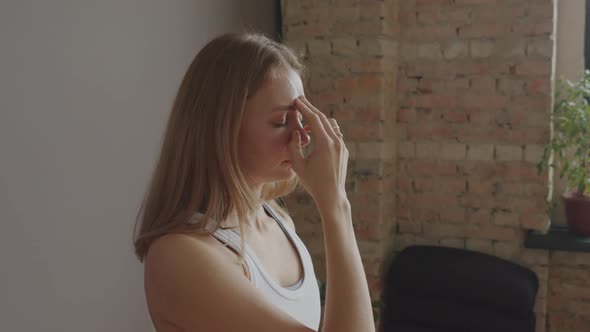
{"points": [[486, 30], [506, 219], [453, 215], [491, 232], [486, 85], [404, 183], [363, 132], [479, 216], [423, 185], [444, 230], [478, 186], [435, 199], [445, 185], [477, 67], [477, 201], [372, 114], [411, 227], [476, 102], [372, 65], [542, 48], [428, 3], [430, 168], [518, 171], [481, 48], [429, 33], [535, 221], [427, 115], [541, 10], [456, 117], [564, 321], [485, 14], [425, 213], [409, 84], [541, 85], [363, 29], [430, 51], [427, 150], [526, 136], [430, 132], [482, 118], [347, 84], [511, 86], [533, 68], [532, 28], [371, 82], [406, 115], [434, 101]]}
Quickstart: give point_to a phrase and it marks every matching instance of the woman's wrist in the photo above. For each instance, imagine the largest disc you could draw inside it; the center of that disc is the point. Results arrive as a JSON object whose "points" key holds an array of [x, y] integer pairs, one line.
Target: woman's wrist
{"points": [[335, 206]]}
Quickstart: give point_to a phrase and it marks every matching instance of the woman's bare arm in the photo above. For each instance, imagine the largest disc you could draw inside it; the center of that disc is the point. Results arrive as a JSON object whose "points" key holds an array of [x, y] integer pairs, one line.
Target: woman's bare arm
{"points": [[348, 303], [194, 287], [323, 174]]}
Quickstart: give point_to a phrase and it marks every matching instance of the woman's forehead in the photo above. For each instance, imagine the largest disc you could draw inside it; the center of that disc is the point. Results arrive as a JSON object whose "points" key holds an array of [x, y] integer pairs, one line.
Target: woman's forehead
{"points": [[279, 92], [286, 82]]}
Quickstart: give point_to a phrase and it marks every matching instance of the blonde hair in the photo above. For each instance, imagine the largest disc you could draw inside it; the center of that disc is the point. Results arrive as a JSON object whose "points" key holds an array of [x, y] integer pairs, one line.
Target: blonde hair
{"points": [[198, 167]]}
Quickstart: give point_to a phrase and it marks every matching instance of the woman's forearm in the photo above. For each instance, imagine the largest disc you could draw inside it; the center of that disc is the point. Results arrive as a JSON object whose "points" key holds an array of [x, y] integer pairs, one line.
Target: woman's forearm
{"points": [[348, 303]]}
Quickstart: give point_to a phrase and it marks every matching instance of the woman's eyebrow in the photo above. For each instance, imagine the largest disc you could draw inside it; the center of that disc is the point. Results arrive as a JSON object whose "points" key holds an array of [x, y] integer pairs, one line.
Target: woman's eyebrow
{"points": [[287, 108]]}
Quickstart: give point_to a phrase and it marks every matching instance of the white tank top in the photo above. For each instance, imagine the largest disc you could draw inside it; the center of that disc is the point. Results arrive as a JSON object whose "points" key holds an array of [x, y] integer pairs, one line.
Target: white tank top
{"points": [[302, 300]]}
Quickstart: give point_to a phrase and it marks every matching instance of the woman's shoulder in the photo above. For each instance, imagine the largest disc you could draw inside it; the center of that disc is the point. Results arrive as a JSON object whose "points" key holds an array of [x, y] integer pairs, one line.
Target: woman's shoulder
{"points": [[190, 288], [180, 251], [185, 244], [180, 237], [188, 281]]}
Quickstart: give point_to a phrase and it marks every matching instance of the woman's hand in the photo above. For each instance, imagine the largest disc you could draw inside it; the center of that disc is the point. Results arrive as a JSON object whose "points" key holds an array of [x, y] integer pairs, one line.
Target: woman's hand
{"points": [[323, 172]]}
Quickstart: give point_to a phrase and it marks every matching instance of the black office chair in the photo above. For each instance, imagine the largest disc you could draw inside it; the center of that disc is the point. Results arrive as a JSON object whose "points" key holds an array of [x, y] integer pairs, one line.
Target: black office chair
{"points": [[438, 289]]}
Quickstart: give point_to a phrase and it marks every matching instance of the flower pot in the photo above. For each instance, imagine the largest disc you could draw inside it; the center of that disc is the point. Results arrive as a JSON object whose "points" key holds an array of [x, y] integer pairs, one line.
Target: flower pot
{"points": [[577, 212]]}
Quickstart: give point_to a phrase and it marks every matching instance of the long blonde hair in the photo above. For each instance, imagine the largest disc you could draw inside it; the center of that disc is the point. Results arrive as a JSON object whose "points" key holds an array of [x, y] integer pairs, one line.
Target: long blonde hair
{"points": [[198, 168]]}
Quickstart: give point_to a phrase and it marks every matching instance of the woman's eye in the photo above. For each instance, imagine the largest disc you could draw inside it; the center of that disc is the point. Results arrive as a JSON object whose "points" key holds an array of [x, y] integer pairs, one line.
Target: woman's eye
{"points": [[280, 125]]}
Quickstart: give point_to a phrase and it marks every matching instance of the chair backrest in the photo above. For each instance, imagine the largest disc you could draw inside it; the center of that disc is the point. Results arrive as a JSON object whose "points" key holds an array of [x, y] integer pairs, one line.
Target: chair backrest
{"points": [[432, 289]]}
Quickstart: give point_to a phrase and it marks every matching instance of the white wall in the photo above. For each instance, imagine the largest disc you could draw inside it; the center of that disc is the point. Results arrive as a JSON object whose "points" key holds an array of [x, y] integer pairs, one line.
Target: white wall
{"points": [[85, 89], [569, 64], [571, 17]]}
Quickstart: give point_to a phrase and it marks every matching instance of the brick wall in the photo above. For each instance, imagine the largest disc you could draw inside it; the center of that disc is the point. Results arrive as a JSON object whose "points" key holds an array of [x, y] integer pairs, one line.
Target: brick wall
{"points": [[352, 55], [444, 105], [568, 304]]}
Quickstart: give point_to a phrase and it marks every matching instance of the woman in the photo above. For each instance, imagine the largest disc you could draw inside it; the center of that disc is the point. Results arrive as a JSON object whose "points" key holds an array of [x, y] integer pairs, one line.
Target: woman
{"points": [[219, 253]]}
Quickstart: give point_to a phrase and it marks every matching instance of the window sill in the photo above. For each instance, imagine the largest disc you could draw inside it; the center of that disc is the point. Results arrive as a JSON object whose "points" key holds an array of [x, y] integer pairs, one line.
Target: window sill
{"points": [[558, 238]]}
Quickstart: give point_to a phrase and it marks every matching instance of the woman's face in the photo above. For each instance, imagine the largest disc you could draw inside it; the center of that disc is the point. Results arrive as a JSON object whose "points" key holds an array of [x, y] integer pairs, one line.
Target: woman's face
{"points": [[268, 121]]}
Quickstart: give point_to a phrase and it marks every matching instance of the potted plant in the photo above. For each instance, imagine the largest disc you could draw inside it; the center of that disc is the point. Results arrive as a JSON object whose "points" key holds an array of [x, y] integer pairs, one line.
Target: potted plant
{"points": [[569, 150]]}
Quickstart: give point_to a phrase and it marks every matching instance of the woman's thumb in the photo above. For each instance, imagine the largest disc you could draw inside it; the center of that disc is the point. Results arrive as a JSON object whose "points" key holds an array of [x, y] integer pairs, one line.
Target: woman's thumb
{"points": [[295, 149]]}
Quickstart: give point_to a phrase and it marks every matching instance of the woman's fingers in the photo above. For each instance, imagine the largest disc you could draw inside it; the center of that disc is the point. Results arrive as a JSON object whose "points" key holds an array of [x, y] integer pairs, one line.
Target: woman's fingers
{"points": [[335, 127], [296, 151], [324, 119], [314, 120], [314, 117]]}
